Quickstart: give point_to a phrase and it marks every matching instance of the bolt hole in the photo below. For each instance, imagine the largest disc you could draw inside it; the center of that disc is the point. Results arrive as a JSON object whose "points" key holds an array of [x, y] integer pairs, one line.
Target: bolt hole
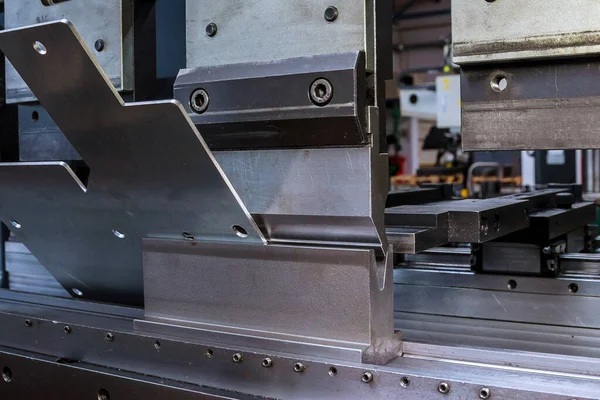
{"points": [[208, 353], [103, 394], [331, 14], [332, 371], [237, 357], [484, 393], [573, 288], [40, 48], [157, 345], [109, 336], [499, 83], [321, 92], [15, 224], [366, 377], [67, 329], [267, 362], [6, 374], [118, 234], [35, 116], [299, 367], [512, 284], [443, 388], [239, 231], [187, 236], [28, 323], [199, 101], [404, 381], [77, 292]]}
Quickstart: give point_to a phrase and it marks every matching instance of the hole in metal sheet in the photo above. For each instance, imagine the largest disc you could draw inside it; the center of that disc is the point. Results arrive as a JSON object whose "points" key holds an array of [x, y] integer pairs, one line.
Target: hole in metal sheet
{"points": [[35, 116], [118, 234], [332, 371], [208, 353], [499, 83], [187, 236], [6, 374], [39, 47], [103, 394], [299, 367], [240, 231], [512, 284], [404, 381], [443, 388], [157, 345], [77, 292], [15, 224], [573, 288]]}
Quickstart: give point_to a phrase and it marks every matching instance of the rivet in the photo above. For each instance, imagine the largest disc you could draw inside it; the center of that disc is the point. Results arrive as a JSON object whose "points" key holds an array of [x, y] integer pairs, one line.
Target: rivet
{"points": [[211, 29], [99, 45]]}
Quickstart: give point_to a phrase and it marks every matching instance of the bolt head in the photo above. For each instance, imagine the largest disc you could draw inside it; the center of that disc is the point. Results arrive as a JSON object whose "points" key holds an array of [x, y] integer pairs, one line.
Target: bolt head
{"points": [[299, 367], [484, 393], [444, 388], [211, 29], [547, 250], [99, 45], [267, 362], [331, 14], [109, 336]]}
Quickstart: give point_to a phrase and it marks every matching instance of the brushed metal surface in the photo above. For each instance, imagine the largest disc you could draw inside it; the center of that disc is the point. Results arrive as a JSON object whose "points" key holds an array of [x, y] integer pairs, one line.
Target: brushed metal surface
{"points": [[485, 31], [109, 20], [151, 175], [276, 29], [331, 296]]}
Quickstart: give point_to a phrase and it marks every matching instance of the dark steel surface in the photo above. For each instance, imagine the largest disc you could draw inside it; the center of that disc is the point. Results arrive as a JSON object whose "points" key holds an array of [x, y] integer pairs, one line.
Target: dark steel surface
{"points": [[546, 105], [144, 182], [131, 353], [423, 194], [31, 376], [267, 105], [469, 221]]}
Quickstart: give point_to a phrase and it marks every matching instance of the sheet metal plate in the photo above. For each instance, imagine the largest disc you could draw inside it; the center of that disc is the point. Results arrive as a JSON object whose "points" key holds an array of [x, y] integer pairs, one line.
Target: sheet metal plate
{"points": [[109, 20], [151, 173], [261, 31]]}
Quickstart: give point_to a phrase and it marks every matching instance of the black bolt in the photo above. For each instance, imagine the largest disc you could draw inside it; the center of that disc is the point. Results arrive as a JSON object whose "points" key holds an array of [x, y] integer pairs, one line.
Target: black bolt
{"points": [[331, 14], [110, 337], [99, 45], [211, 29]]}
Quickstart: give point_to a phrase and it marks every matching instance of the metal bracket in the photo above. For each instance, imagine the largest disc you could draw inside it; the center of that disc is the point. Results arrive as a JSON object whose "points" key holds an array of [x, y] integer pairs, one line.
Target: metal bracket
{"points": [[151, 173]]}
